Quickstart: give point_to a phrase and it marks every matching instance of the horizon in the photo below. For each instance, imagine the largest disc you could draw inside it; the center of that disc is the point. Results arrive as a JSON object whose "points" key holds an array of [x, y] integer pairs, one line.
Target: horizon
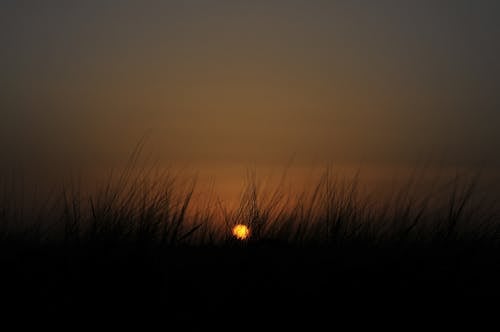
{"points": [[249, 162]]}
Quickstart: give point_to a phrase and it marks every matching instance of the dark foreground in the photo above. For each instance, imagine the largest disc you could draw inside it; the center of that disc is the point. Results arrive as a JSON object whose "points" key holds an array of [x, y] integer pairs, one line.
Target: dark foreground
{"points": [[196, 286]]}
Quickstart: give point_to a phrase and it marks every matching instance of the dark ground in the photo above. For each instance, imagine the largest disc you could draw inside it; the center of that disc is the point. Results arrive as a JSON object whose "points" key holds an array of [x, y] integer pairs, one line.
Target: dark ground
{"points": [[248, 284]]}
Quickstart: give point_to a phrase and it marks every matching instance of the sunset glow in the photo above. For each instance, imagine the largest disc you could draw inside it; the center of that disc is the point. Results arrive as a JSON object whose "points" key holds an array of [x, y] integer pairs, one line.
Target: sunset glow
{"points": [[249, 162], [241, 232]]}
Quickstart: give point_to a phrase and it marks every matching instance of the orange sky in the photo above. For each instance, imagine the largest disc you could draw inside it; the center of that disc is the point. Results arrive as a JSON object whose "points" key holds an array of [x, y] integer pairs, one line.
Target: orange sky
{"points": [[224, 85]]}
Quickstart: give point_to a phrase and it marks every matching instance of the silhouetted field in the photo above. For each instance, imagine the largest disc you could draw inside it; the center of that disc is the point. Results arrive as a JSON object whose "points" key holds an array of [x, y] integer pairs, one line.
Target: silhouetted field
{"points": [[140, 247]]}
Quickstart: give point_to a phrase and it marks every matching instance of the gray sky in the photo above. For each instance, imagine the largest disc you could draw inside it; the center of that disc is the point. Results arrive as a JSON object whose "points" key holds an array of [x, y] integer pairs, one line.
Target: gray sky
{"points": [[238, 82]]}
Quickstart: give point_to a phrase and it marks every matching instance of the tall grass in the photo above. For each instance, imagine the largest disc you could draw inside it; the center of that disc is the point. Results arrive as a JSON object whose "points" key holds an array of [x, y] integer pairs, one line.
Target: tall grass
{"points": [[141, 207], [335, 211], [133, 244]]}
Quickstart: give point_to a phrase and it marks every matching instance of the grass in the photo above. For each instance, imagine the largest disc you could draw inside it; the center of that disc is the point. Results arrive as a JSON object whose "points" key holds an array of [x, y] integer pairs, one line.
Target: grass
{"points": [[139, 245]]}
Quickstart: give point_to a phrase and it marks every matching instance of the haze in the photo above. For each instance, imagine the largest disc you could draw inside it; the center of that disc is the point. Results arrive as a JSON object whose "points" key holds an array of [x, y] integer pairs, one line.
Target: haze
{"points": [[219, 85]]}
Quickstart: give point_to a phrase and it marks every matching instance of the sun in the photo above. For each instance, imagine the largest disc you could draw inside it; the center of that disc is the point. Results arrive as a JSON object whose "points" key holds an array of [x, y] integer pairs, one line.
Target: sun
{"points": [[241, 232]]}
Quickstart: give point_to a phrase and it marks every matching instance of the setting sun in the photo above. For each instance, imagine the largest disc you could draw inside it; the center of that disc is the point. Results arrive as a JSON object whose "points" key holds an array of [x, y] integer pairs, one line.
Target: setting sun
{"points": [[241, 232]]}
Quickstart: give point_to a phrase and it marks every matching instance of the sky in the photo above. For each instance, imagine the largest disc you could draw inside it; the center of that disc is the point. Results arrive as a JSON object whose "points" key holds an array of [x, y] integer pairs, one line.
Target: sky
{"points": [[220, 85]]}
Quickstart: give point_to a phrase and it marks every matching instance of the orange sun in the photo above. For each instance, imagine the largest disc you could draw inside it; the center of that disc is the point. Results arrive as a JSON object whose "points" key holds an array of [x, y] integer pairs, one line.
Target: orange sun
{"points": [[241, 232]]}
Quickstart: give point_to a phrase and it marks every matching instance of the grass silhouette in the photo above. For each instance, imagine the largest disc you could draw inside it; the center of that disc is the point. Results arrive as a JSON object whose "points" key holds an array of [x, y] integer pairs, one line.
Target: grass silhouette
{"points": [[140, 245]]}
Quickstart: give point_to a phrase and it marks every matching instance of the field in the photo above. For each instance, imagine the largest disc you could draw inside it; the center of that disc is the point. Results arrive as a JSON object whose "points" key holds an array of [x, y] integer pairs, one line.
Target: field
{"points": [[143, 248]]}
